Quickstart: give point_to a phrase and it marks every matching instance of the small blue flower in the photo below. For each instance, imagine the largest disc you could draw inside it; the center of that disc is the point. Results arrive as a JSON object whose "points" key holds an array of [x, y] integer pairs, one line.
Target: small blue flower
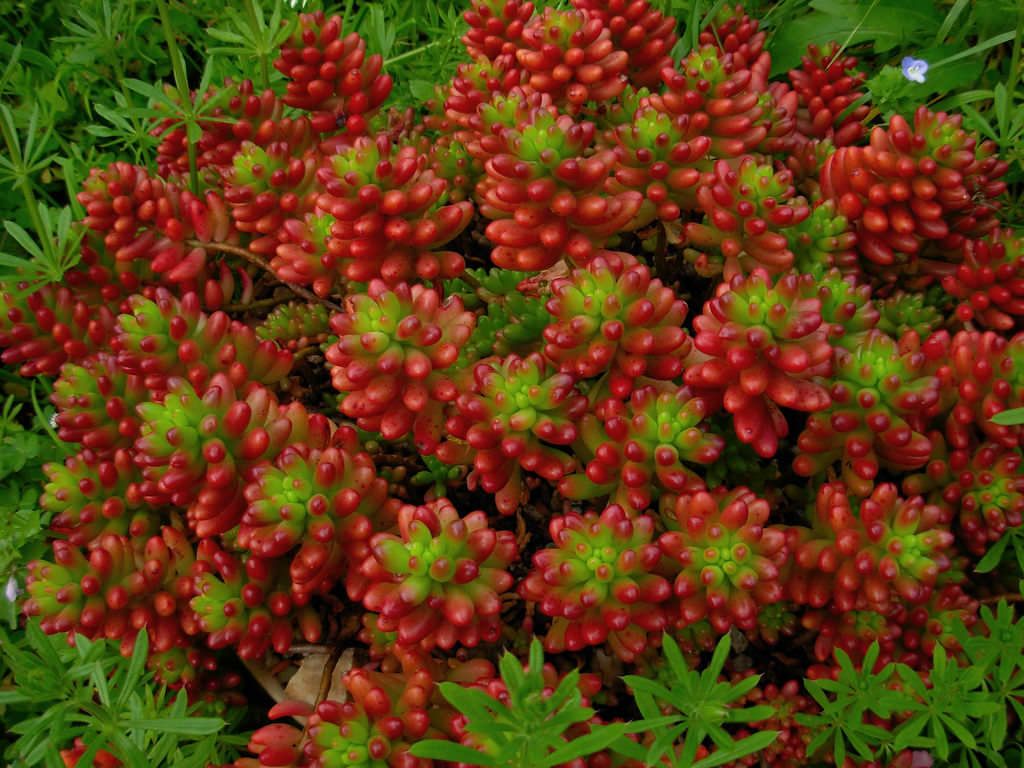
{"points": [[914, 69], [11, 589]]}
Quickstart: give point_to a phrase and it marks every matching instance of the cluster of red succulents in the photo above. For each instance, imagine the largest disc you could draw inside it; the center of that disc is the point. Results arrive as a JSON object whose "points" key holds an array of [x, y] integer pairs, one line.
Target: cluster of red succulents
{"points": [[733, 369]]}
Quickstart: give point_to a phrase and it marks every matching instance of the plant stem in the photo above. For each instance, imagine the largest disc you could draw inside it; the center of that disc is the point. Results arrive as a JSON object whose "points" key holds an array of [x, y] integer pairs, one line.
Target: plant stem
{"points": [[1010, 598], [252, 258]]}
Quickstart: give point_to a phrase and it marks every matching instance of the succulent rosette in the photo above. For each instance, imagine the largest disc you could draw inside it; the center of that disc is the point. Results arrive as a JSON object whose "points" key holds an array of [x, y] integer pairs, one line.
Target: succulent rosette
{"points": [[96, 403], [46, 328], [823, 241], [245, 603], [266, 186], [153, 226], [318, 506], [723, 88], [990, 281], [295, 325], [983, 489], [761, 345], [931, 181], [570, 55], [747, 212], [880, 552], [495, 26], [642, 447], [662, 156], [546, 195], [90, 496], [114, 589], [981, 374], [827, 83], [728, 559], [847, 309], [195, 450], [392, 356], [734, 32], [643, 32], [391, 214], [330, 74], [165, 336], [439, 581], [611, 317], [902, 312], [517, 414], [599, 583], [881, 396]]}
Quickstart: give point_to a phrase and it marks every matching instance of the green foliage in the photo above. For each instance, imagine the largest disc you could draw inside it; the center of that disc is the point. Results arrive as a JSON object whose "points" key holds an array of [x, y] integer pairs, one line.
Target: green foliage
{"points": [[702, 706], [958, 712], [90, 690], [22, 454], [530, 729]]}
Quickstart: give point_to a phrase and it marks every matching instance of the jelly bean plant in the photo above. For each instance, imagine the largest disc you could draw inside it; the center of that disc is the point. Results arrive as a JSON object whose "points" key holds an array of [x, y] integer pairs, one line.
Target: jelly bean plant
{"points": [[628, 398]]}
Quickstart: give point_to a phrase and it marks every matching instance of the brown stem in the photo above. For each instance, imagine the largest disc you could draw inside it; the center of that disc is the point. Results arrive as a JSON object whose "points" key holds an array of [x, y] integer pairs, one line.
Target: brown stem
{"points": [[1009, 597], [478, 287], [268, 303], [325, 685], [252, 258], [660, 263]]}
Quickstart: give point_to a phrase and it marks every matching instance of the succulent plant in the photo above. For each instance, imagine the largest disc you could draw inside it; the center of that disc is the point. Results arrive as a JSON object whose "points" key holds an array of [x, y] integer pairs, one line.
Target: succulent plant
{"points": [[847, 309], [735, 33], [880, 397], [889, 550], [391, 214], [165, 336], [663, 157], [642, 447], [90, 497], [195, 450], [295, 325], [728, 558], [748, 211], [721, 86], [643, 32], [391, 359], [982, 489], [980, 374], [440, 580], [330, 74], [902, 312], [570, 55], [611, 317], [96, 403], [823, 241], [319, 506], [545, 195], [600, 583], [954, 181], [114, 589], [828, 84], [516, 415], [245, 603], [46, 328], [761, 344], [990, 281], [495, 26]]}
